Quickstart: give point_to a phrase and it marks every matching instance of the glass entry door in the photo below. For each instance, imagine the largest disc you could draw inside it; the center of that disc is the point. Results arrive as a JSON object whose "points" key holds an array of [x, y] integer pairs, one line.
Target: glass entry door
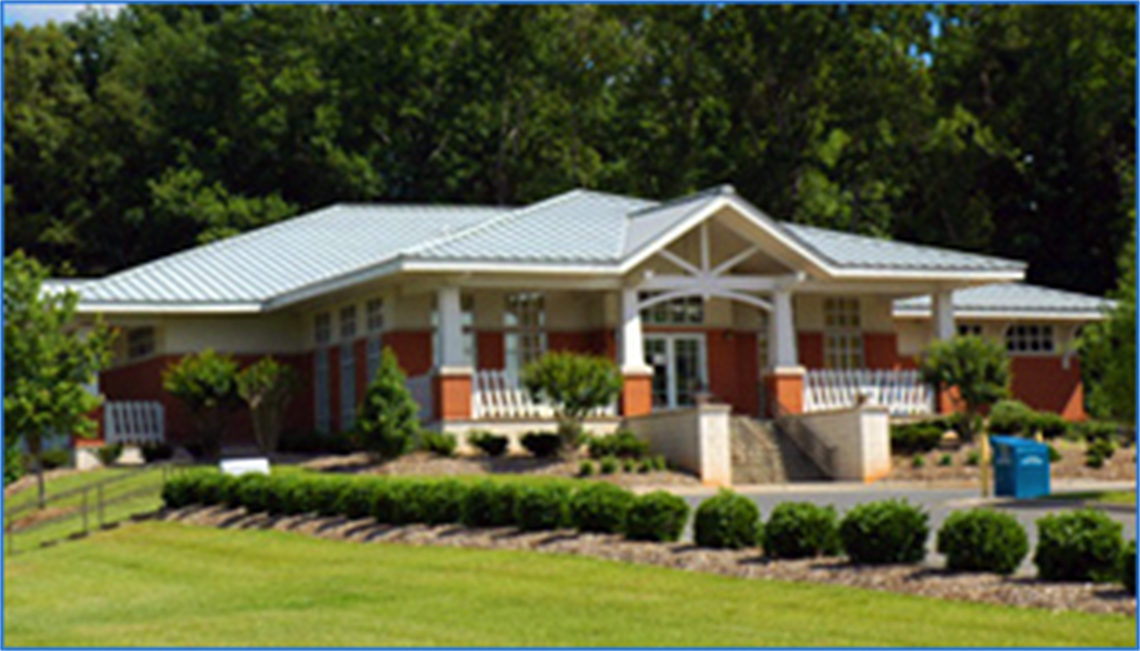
{"points": [[678, 362]]}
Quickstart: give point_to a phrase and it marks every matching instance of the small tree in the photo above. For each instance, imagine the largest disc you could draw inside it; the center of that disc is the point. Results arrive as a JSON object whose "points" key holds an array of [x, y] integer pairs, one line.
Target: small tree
{"points": [[207, 384], [388, 422], [575, 384], [267, 386], [47, 362], [976, 367]]}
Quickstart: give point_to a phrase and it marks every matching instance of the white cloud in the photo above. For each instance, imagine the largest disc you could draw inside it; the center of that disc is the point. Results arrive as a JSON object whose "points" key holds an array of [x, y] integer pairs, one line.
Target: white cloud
{"points": [[39, 14]]}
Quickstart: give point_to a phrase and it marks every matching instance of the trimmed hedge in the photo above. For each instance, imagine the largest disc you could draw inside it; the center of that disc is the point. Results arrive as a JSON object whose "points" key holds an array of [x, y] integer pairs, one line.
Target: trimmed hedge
{"points": [[657, 517], [489, 504], [802, 530], [1128, 567], [492, 445], [541, 508], [600, 507], [983, 541], [727, 521], [890, 531], [541, 444], [1082, 545], [1012, 418], [916, 438]]}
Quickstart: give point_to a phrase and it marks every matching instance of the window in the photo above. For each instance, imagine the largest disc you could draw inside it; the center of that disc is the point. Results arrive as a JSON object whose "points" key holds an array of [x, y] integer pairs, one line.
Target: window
{"points": [[140, 343], [969, 330], [321, 377], [375, 347], [842, 334], [374, 315], [686, 310], [322, 328], [1029, 339], [762, 343], [524, 316], [467, 318], [347, 387], [348, 323]]}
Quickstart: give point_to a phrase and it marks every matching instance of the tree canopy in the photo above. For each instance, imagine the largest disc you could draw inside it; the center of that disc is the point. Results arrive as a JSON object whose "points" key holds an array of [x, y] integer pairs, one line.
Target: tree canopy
{"points": [[1000, 129]]}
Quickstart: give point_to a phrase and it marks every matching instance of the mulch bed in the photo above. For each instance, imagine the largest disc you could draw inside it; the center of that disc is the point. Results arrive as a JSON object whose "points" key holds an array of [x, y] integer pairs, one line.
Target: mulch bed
{"points": [[907, 579], [425, 464], [1121, 467]]}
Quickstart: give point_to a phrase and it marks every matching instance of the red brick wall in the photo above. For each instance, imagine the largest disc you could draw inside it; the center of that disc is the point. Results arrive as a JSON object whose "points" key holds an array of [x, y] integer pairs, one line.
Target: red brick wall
{"points": [[412, 348], [1043, 383], [810, 349], [490, 349]]}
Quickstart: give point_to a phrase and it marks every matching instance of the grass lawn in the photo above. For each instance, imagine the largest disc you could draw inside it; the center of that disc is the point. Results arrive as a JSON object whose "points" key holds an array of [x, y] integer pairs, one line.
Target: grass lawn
{"points": [[159, 584], [1109, 497]]}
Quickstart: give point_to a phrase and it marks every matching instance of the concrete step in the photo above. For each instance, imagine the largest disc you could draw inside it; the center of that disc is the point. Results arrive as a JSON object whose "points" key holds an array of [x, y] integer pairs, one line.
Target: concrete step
{"points": [[762, 455]]}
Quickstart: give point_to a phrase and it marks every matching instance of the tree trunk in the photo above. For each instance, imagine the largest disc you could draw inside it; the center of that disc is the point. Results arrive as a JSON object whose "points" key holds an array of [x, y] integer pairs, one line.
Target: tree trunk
{"points": [[35, 448]]}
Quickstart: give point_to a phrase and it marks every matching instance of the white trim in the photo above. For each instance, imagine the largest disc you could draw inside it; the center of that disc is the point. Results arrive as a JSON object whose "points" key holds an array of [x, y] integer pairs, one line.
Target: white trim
{"points": [[718, 293], [995, 315], [168, 308]]}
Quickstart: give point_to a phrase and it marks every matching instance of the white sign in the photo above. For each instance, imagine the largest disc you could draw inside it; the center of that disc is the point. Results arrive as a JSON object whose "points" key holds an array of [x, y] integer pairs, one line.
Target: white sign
{"points": [[239, 467]]}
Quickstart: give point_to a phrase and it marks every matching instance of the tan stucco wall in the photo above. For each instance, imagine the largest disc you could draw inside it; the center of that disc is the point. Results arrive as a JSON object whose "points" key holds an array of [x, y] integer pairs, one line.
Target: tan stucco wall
{"points": [[860, 438], [695, 439], [874, 312], [258, 335]]}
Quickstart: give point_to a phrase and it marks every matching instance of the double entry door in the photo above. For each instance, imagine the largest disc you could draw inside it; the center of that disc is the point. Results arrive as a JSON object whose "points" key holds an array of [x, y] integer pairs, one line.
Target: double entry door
{"points": [[679, 368]]}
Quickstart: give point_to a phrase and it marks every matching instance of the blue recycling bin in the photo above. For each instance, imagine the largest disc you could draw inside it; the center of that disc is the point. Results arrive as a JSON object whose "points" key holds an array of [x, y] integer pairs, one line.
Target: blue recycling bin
{"points": [[1021, 467]]}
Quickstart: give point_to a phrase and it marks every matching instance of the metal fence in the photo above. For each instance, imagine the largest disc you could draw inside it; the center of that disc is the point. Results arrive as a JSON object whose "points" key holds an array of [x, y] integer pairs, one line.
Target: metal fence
{"points": [[76, 512]]}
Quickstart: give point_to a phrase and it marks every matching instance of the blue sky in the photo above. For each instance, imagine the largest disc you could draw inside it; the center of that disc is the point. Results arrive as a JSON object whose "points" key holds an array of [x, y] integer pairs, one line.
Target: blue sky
{"points": [[40, 13]]}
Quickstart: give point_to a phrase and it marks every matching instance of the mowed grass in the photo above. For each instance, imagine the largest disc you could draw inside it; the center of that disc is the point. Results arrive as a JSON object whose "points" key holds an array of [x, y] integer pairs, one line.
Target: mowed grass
{"points": [[1107, 497], [160, 584]]}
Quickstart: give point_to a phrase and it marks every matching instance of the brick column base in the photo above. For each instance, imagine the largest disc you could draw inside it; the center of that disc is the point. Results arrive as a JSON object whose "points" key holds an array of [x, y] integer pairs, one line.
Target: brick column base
{"points": [[636, 393], [785, 390], [451, 393]]}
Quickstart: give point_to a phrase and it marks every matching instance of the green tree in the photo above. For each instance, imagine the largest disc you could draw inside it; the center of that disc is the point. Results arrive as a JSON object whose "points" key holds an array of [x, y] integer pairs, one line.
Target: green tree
{"points": [[575, 385], [974, 369], [47, 361], [388, 421], [1108, 351], [206, 383], [267, 386]]}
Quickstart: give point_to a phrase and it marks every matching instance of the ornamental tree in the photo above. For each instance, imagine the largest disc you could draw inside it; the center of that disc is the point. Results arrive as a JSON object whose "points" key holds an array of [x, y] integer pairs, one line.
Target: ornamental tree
{"points": [[267, 386], [47, 361], [388, 422], [977, 368], [575, 385], [206, 383]]}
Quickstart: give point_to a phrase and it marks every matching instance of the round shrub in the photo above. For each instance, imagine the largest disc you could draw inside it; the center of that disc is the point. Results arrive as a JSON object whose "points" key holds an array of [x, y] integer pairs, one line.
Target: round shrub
{"points": [[1054, 455], [357, 499], [915, 438], [1128, 567], [541, 444], [983, 541], [489, 504], [608, 465], [727, 521], [1078, 546], [251, 491], [441, 502], [918, 462], [1052, 426], [183, 488], [656, 516], [438, 443], [586, 468], [215, 488], [890, 531], [600, 507], [622, 443], [492, 445], [801, 530], [539, 508]]}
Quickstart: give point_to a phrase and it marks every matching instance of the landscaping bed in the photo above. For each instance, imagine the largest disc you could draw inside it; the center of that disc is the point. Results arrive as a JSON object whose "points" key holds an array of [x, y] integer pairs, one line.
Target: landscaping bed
{"points": [[748, 563], [1121, 466], [424, 464]]}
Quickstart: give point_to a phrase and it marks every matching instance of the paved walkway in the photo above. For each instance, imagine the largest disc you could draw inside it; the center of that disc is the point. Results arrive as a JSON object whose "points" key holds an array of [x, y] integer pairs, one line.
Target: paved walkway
{"points": [[938, 500]]}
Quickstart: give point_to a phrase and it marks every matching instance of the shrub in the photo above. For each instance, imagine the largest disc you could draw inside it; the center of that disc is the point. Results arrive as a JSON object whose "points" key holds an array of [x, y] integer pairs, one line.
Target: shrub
{"points": [[977, 367], [438, 443], [918, 461], [325, 494], [207, 384], [1012, 418], [13, 462], [539, 508], [973, 458], [890, 531], [1092, 430], [1093, 460], [1052, 426], [109, 454], [267, 386], [252, 491], [401, 501], [656, 516], [982, 541], [55, 458], [644, 466], [600, 507], [1054, 455], [801, 530], [659, 463], [152, 452], [622, 443], [945, 460], [609, 465], [489, 504], [441, 502], [575, 384], [1078, 546], [182, 489], [388, 421], [915, 438], [1128, 567], [628, 465], [541, 444], [586, 468], [492, 445], [727, 521], [358, 499]]}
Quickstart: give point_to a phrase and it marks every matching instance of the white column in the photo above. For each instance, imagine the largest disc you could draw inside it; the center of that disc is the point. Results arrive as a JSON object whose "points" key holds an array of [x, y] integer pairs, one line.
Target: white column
{"points": [[450, 328], [782, 331], [943, 315], [632, 357]]}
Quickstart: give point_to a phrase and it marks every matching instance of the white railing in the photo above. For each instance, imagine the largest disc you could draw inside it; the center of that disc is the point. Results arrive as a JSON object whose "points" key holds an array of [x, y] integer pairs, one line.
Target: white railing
{"points": [[903, 393], [421, 389], [134, 422], [500, 394]]}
